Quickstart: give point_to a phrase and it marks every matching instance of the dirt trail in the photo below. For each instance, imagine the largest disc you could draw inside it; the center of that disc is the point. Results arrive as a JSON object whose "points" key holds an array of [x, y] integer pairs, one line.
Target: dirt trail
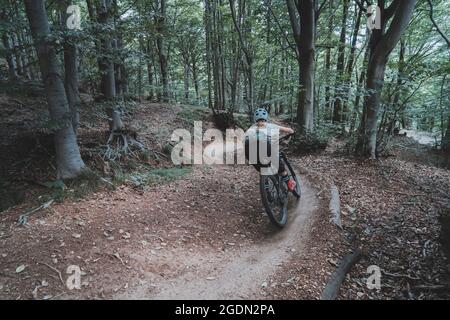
{"points": [[203, 236], [235, 274]]}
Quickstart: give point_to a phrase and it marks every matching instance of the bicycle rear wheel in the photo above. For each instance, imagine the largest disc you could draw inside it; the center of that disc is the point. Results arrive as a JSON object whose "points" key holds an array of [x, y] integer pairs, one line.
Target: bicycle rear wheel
{"points": [[274, 201]]}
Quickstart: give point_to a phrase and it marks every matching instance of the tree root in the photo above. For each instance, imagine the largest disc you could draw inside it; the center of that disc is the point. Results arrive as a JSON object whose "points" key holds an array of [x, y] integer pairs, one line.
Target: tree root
{"points": [[123, 144], [23, 218], [331, 290]]}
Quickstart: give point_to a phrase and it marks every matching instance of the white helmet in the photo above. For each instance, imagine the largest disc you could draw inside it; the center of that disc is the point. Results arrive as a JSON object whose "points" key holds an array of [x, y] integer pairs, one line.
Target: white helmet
{"points": [[261, 114]]}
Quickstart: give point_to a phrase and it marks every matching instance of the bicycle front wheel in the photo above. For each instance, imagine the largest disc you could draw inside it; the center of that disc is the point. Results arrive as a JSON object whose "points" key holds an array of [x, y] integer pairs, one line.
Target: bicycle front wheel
{"points": [[274, 201]]}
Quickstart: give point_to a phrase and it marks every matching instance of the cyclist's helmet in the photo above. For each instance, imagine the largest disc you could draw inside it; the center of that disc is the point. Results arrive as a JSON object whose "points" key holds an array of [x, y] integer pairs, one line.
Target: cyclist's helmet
{"points": [[261, 114]]}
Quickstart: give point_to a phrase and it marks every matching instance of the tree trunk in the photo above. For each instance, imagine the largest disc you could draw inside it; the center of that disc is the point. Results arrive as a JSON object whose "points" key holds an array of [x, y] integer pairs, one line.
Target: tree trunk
{"points": [[446, 142], [117, 69], [106, 65], [149, 53], [29, 54], [446, 139], [17, 55], [195, 78], [304, 35], [215, 43], [186, 80], [208, 41], [392, 119], [242, 26], [108, 81], [337, 112], [94, 17], [23, 56], [71, 83], [351, 62], [381, 46], [121, 76], [71, 72], [328, 102], [234, 71], [68, 158], [8, 47], [162, 50], [367, 142], [10, 59], [150, 80], [305, 113]]}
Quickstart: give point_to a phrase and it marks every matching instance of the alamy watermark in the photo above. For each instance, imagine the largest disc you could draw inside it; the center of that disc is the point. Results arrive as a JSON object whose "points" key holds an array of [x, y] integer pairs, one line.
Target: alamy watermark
{"points": [[73, 21], [374, 280], [74, 279], [261, 148], [373, 17]]}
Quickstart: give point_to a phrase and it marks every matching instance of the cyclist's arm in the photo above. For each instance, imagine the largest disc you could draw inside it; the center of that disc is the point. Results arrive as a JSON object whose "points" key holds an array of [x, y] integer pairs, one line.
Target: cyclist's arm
{"points": [[286, 130]]}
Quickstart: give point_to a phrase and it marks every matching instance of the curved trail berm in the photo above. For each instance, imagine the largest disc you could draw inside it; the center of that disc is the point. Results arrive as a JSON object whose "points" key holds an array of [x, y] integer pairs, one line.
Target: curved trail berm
{"points": [[239, 274]]}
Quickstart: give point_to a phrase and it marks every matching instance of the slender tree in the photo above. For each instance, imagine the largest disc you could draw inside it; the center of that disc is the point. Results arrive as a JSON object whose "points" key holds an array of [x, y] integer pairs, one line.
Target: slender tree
{"points": [[302, 15], [337, 111], [68, 158], [70, 67], [161, 45]]}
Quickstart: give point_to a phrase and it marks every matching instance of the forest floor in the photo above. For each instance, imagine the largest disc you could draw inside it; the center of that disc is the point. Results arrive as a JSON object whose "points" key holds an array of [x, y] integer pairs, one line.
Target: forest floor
{"points": [[201, 231]]}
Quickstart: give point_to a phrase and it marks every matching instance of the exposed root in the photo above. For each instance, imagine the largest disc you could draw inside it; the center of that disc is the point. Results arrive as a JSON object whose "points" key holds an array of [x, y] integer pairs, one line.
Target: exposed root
{"points": [[122, 144]]}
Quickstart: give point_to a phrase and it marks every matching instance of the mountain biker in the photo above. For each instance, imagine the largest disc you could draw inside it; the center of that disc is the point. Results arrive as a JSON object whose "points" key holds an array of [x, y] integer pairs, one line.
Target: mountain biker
{"points": [[263, 126]]}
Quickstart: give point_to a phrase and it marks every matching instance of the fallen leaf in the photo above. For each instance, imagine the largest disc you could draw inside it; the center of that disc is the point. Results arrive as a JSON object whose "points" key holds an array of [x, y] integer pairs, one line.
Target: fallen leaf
{"points": [[127, 235], [20, 268]]}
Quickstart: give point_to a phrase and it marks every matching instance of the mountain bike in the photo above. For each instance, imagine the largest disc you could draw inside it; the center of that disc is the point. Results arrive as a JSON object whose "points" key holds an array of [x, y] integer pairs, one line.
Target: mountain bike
{"points": [[275, 193]]}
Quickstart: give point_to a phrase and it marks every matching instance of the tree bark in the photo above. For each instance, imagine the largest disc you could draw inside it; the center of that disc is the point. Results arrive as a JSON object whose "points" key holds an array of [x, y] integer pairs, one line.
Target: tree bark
{"points": [[24, 56], [446, 142], [215, 57], [10, 59], [106, 64], [328, 102], [121, 75], [337, 111], [149, 59], [108, 82], [71, 71], [207, 22], [351, 62], [243, 29], [162, 49], [17, 55], [68, 158], [381, 46], [195, 76], [304, 35]]}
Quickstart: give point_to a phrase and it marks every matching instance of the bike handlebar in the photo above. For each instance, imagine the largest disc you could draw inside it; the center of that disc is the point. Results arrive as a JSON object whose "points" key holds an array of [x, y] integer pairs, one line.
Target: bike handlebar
{"points": [[286, 137]]}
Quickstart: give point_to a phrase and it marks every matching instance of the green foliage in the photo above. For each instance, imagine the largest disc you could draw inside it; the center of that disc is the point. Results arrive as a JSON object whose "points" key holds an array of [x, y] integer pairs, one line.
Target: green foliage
{"points": [[189, 114], [167, 149], [78, 188], [242, 121], [311, 142], [157, 176]]}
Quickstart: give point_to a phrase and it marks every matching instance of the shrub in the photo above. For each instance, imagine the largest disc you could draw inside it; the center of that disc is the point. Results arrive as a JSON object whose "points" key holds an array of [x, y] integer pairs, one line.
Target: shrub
{"points": [[312, 141], [157, 176]]}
